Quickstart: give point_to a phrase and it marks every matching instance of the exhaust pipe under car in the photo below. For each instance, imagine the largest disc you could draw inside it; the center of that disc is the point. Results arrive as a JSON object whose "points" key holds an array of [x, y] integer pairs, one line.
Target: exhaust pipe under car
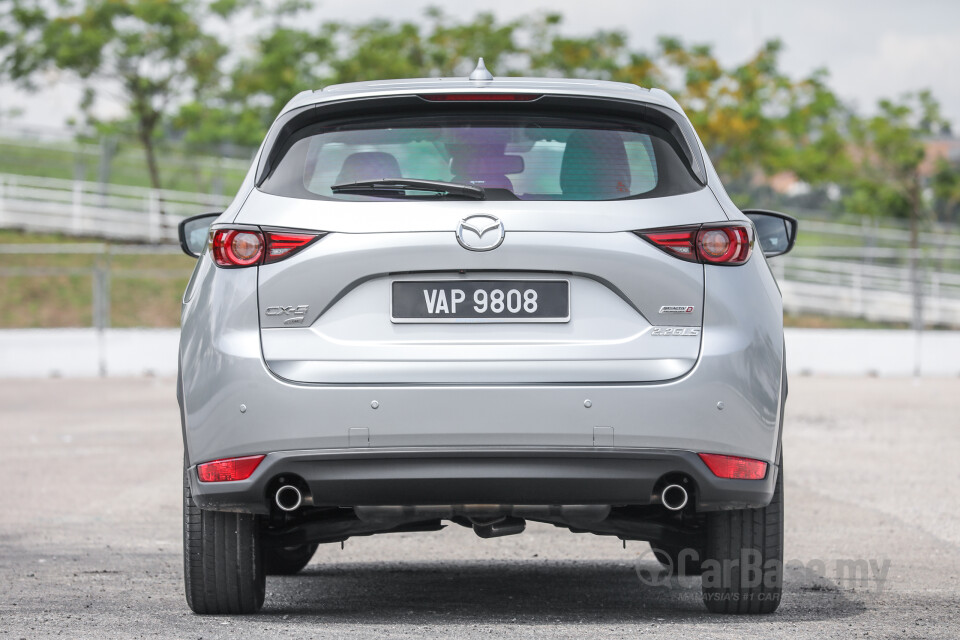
{"points": [[674, 497], [507, 526], [288, 498]]}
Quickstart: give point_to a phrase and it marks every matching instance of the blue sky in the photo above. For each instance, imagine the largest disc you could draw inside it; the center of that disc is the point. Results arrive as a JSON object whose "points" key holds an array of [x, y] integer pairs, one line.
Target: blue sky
{"points": [[872, 49]]}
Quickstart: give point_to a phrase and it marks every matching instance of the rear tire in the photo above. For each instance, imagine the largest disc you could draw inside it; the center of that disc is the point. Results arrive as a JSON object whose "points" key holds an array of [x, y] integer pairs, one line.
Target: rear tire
{"points": [[286, 561], [743, 567], [222, 559]]}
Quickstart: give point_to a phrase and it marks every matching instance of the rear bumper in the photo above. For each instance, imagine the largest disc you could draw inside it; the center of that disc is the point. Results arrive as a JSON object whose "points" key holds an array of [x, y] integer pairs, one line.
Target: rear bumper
{"points": [[503, 476], [233, 405]]}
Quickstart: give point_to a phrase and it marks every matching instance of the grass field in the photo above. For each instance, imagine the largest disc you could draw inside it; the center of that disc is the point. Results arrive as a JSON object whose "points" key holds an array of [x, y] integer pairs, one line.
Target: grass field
{"points": [[180, 170], [149, 299], [145, 290]]}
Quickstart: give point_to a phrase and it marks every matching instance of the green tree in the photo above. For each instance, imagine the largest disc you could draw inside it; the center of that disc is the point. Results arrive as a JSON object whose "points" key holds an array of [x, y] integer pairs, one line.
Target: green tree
{"points": [[453, 47], [753, 118], [437, 46], [603, 55], [284, 60], [945, 184], [888, 150], [153, 53]]}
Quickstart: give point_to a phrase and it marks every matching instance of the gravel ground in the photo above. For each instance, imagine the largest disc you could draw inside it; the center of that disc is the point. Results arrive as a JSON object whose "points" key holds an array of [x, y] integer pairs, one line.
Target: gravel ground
{"points": [[90, 536]]}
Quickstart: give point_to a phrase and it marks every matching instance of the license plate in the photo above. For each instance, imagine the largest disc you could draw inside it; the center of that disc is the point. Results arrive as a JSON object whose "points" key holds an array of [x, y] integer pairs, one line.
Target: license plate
{"points": [[481, 301]]}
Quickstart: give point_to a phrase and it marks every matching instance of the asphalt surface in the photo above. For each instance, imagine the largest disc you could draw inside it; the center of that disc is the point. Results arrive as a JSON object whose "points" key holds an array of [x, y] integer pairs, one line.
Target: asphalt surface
{"points": [[90, 532]]}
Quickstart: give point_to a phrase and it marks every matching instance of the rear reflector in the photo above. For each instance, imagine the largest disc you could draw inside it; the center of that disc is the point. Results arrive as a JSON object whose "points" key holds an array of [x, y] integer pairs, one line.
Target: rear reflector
{"points": [[282, 245], [677, 242], [479, 97], [735, 468], [228, 469]]}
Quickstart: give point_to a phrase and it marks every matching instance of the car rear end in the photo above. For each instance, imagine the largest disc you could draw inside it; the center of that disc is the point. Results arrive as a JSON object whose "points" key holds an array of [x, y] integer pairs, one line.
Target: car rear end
{"points": [[588, 334]]}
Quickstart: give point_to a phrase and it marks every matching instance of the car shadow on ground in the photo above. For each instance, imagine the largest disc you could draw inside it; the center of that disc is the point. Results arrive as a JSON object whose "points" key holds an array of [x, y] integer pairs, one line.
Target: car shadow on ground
{"points": [[521, 592]]}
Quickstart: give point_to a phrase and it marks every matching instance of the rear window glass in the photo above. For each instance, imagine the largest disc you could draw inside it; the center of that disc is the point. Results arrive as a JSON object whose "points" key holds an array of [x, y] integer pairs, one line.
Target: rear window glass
{"points": [[519, 157]]}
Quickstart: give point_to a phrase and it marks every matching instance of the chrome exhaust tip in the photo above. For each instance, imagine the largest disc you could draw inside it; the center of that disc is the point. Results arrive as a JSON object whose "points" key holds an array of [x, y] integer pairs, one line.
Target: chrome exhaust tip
{"points": [[288, 498], [674, 497]]}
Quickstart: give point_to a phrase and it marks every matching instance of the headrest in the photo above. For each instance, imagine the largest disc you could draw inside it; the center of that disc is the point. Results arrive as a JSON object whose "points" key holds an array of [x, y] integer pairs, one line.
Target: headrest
{"points": [[368, 165], [595, 166]]}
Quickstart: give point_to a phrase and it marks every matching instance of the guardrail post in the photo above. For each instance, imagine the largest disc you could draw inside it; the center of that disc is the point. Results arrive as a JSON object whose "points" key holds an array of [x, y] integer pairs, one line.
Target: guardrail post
{"points": [[859, 308], [108, 146], [153, 216], [917, 295], [934, 298], [101, 306], [916, 289], [867, 227], [76, 211]]}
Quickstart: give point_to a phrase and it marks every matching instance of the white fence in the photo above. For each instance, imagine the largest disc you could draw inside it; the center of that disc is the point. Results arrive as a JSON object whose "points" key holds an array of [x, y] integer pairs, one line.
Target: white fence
{"points": [[869, 280], [89, 208], [830, 286], [872, 281]]}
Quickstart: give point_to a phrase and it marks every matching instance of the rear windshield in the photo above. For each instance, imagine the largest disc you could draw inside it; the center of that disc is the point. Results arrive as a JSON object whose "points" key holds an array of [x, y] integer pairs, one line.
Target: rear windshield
{"points": [[519, 157]]}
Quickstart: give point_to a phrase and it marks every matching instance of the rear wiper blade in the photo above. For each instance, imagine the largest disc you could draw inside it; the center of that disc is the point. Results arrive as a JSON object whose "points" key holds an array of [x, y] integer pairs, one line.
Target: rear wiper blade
{"points": [[389, 186]]}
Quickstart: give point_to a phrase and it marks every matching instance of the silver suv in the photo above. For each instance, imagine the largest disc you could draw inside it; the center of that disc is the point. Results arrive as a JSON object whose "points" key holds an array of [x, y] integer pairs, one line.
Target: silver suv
{"points": [[482, 301]]}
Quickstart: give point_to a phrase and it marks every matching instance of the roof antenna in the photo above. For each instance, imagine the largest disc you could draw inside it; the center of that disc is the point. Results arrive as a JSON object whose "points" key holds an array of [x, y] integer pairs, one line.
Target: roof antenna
{"points": [[481, 73]]}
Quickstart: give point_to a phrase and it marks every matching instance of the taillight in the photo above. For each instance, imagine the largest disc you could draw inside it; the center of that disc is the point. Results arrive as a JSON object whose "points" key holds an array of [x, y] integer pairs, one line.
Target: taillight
{"points": [[479, 97], [725, 245], [228, 469], [733, 467], [248, 247]]}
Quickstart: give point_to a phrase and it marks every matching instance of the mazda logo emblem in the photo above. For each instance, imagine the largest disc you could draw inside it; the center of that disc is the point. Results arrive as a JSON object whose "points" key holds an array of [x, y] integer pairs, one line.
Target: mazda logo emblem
{"points": [[480, 232]]}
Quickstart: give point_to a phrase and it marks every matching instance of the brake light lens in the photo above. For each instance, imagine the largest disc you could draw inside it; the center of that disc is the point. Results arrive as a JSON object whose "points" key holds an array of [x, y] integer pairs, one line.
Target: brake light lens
{"points": [[248, 247], [283, 245], [237, 247], [725, 245], [228, 469], [681, 243], [479, 97], [733, 467]]}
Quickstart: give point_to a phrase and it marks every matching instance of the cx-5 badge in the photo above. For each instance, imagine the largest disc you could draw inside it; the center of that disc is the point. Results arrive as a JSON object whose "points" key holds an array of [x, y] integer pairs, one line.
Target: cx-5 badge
{"points": [[480, 233], [297, 313]]}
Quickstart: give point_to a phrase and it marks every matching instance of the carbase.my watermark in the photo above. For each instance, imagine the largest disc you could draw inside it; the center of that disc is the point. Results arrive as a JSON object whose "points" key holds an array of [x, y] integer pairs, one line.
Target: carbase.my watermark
{"points": [[751, 571]]}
